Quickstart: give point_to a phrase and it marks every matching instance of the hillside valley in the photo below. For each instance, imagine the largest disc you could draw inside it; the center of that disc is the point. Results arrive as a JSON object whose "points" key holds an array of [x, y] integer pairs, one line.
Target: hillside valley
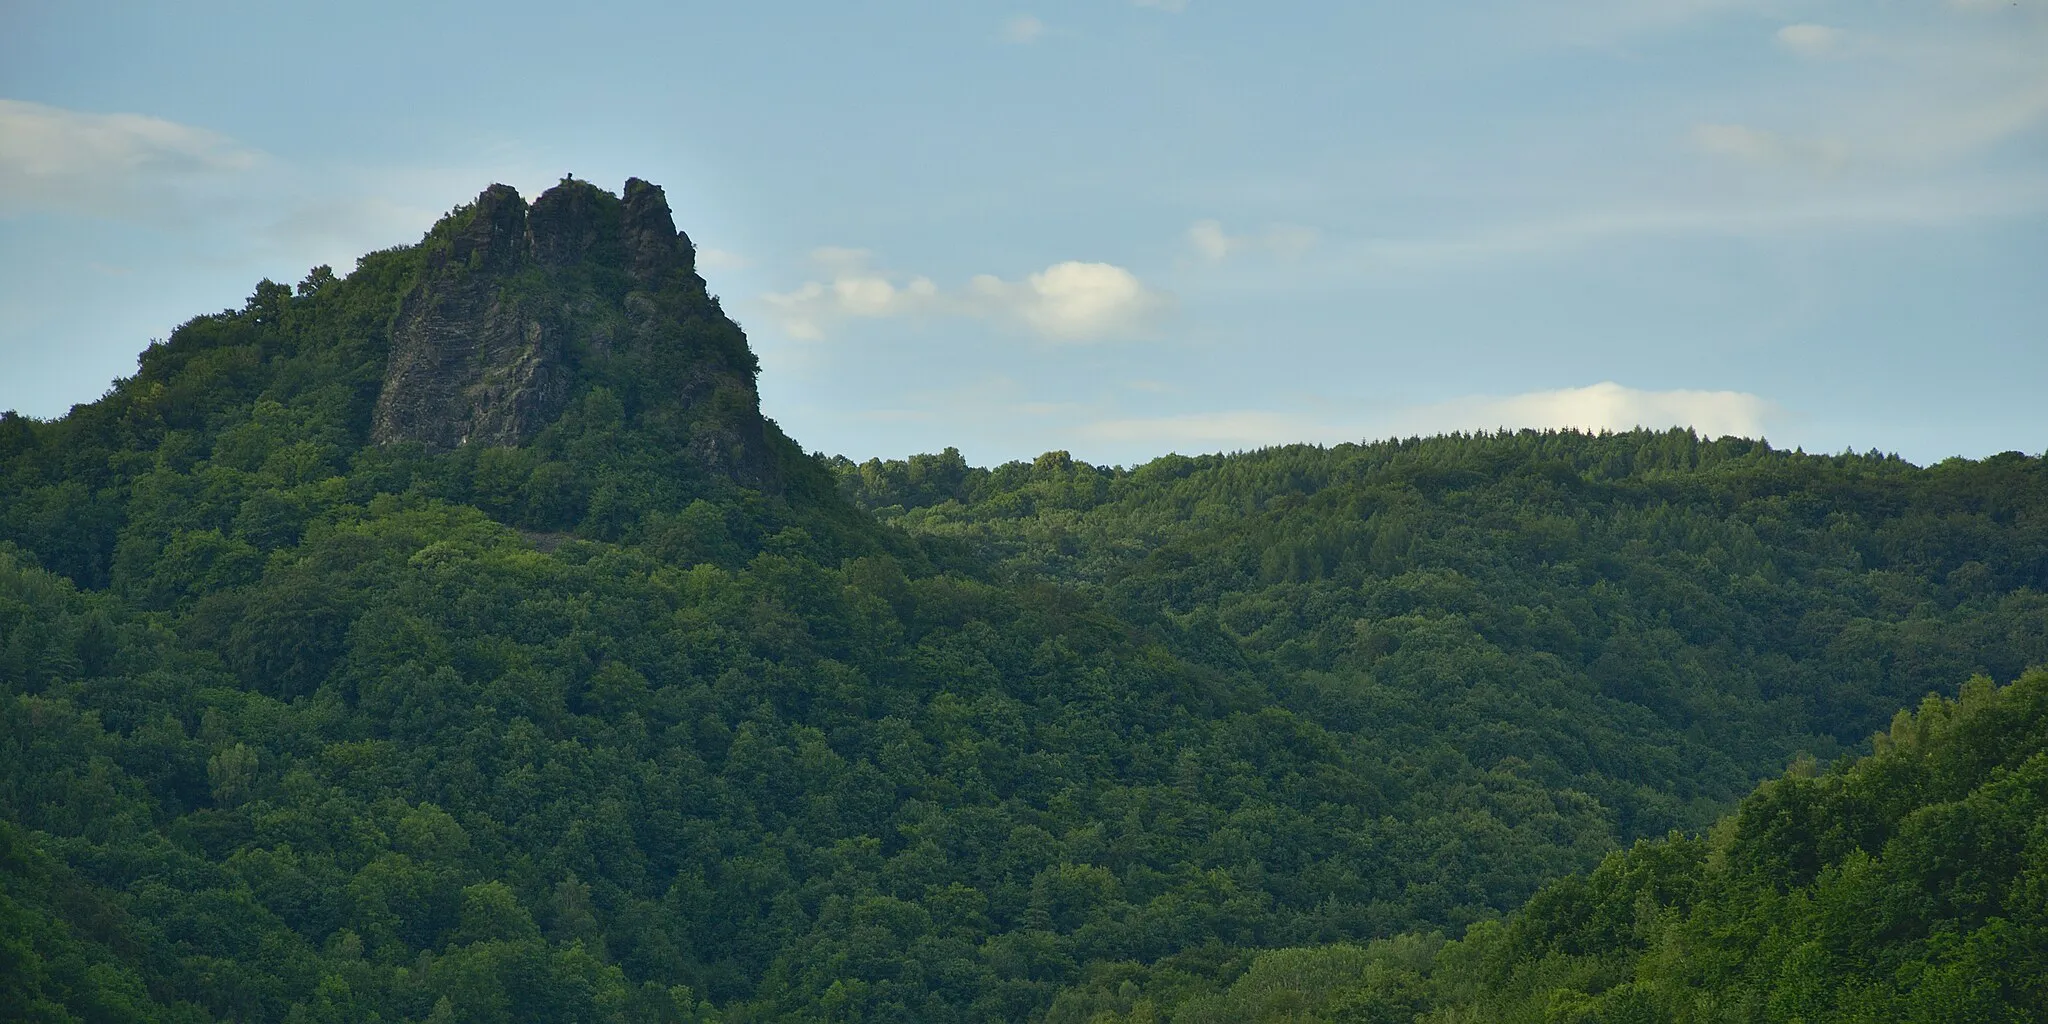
{"points": [[456, 640]]}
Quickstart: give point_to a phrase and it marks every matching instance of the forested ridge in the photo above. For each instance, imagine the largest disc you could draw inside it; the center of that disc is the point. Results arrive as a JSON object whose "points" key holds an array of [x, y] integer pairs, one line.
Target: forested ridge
{"points": [[638, 712]]}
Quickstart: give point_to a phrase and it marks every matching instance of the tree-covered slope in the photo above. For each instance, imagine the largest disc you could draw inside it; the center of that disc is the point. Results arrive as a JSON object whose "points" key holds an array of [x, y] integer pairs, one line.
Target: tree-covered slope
{"points": [[1745, 602], [456, 641], [1910, 885]]}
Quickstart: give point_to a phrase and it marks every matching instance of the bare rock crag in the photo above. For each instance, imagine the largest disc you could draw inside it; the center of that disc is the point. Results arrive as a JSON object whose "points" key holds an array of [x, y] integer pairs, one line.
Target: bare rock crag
{"points": [[515, 302]]}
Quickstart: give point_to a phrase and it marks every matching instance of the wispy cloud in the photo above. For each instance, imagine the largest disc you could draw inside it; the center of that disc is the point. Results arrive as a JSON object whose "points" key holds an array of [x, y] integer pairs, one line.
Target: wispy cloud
{"points": [[1605, 22], [1895, 139], [1810, 40], [1911, 128], [228, 200], [1956, 129], [1213, 244], [1936, 205], [73, 161], [1070, 301], [1768, 149], [1938, 93], [337, 229], [1023, 29]]}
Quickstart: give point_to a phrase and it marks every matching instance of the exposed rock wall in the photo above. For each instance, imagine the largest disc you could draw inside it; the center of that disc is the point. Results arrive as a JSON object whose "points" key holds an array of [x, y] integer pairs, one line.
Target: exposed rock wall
{"points": [[514, 302], [465, 367]]}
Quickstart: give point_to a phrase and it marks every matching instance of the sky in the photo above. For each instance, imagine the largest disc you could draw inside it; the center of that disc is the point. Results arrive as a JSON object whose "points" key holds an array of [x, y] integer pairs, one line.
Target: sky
{"points": [[1117, 227]]}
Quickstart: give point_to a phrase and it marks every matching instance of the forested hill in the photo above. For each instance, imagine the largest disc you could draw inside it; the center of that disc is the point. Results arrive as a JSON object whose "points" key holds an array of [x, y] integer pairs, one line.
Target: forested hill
{"points": [[560, 366], [1910, 887], [456, 641], [1731, 590]]}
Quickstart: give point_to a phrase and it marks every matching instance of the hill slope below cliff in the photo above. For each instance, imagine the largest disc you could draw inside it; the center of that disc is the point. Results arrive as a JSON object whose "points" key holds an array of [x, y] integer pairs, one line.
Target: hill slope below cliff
{"points": [[457, 641]]}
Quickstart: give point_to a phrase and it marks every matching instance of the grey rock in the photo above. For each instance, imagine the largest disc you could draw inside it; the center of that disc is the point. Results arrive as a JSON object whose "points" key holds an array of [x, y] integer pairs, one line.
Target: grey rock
{"points": [[514, 303], [653, 246], [466, 367]]}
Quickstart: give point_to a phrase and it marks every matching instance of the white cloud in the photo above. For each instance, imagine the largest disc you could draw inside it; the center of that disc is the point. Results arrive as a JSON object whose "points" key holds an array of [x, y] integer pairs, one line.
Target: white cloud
{"points": [[1214, 245], [854, 291], [1603, 406], [1070, 301], [105, 164], [1023, 29], [1810, 40]]}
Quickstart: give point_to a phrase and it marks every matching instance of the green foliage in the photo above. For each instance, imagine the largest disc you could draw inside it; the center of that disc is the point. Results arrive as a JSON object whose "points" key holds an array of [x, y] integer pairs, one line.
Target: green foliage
{"points": [[1731, 590], [297, 727], [1904, 886]]}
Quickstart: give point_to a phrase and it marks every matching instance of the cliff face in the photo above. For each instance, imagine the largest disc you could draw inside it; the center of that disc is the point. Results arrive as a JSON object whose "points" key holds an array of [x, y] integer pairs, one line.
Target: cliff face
{"points": [[518, 307], [466, 365]]}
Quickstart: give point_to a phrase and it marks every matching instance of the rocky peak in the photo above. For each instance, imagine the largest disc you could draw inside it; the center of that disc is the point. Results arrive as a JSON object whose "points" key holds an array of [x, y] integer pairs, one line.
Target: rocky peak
{"points": [[515, 304], [496, 236], [653, 246], [572, 222]]}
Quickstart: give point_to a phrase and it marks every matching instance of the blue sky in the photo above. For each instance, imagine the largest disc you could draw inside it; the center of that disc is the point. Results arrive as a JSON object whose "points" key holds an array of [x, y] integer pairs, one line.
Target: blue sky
{"points": [[1115, 227]]}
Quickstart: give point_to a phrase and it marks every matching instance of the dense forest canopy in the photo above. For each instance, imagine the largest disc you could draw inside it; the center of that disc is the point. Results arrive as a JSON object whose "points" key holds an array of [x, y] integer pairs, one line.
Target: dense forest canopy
{"points": [[1909, 886], [596, 698]]}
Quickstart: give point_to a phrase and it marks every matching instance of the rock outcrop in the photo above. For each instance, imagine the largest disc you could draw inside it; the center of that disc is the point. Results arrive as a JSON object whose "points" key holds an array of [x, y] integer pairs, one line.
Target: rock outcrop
{"points": [[466, 366], [519, 306]]}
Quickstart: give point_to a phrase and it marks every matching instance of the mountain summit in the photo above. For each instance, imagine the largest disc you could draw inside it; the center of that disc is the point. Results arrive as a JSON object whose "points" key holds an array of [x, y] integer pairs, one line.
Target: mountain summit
{"points": [[515, 306]]}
